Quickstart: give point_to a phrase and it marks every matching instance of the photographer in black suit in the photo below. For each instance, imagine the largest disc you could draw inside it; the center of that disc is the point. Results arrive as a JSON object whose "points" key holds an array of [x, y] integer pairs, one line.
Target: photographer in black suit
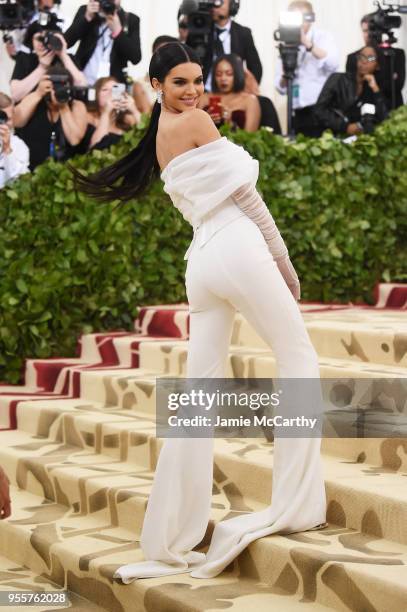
{"points": [[385, 75], [109, 38], [231, 37]]}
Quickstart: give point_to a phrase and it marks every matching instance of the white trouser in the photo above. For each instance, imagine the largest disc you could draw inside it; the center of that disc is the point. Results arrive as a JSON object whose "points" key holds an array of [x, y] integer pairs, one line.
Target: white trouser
{"points": [[234, 270]]}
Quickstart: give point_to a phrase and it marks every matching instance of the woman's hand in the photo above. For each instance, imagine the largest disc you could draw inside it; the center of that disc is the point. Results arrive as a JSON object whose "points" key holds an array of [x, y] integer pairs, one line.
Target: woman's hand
{"points": [[353, 129], [44, 86], [371, 81], [110, 106], [114, 24], [5, 137], [46, 58], [215, 116], [226, 114], [128, 106]]}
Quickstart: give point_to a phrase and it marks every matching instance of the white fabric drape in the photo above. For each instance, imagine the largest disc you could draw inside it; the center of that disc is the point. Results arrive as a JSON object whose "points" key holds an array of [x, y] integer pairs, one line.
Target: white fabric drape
{"points": [[160, 17]]}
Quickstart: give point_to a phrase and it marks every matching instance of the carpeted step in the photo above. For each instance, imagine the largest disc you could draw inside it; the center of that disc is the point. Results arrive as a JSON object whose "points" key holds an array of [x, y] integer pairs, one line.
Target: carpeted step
{"points": [[17, 578], [358, 333], [171, 356], [360, 496], [331, 567], [85, 554]]}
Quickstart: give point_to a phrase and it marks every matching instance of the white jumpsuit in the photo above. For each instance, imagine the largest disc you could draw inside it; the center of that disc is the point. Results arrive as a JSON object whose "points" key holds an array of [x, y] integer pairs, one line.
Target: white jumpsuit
{"points": [[229, 268]]}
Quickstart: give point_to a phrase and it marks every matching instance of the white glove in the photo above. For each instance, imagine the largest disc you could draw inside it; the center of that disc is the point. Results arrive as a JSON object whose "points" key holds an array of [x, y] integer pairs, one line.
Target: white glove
{"points": [[249, 200]]}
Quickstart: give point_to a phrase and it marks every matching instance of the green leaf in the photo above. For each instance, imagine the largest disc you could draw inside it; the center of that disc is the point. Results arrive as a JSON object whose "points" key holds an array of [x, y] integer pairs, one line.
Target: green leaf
{"points": [[22, 286]]}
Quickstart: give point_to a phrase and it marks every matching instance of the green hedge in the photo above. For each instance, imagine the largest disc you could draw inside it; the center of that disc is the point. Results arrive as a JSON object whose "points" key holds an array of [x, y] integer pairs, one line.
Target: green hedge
{"points": [[69, 265]]}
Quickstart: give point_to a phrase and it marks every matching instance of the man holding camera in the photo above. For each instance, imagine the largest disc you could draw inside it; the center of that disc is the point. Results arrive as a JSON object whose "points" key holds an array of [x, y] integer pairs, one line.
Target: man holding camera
{"points": [[231, 37], [318, 58], [109, 38], [14, 153]]}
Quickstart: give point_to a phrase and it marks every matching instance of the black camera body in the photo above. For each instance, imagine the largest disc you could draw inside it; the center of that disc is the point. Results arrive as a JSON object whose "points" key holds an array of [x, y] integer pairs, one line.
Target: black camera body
{"points": [[63, 89], [16, 14], [51, 42], [49, 22], [200, 23], [108, 7], [383, 22], [85, 94]]}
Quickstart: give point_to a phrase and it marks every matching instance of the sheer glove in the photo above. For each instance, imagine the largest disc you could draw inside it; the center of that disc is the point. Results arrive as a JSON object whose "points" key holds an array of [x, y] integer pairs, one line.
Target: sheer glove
{"points": [[249, 200]]}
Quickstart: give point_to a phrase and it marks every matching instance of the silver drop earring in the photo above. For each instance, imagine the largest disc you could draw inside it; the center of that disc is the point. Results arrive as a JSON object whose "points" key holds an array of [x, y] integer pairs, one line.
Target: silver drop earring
{"points": [[159, 96]]}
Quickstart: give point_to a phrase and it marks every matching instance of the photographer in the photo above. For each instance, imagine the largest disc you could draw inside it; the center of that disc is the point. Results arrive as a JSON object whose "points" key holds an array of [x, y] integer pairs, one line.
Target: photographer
{"points": [[14, 41], [49, 120], [14, 154], [116, 113], [231, 37], [341, 104], [318, 58], [385, 75], [47, 47], [109, 38]]}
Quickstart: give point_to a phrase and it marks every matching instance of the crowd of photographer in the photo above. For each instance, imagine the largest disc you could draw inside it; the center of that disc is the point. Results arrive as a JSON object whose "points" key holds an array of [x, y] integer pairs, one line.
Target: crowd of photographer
{"points": [[65, 103]]}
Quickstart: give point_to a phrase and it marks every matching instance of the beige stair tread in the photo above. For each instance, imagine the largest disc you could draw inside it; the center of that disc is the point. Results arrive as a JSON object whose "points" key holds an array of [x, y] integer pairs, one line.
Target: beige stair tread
{"points": [[97, 549], [18, 578]]}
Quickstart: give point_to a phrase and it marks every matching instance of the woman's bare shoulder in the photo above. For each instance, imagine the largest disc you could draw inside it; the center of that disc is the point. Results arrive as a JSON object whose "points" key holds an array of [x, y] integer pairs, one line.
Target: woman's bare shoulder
{"points": [[200, 126]]}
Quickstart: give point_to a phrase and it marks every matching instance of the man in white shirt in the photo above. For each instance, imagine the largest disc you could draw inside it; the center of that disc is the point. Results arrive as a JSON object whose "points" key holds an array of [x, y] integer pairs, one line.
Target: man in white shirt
{"points": [[14, 153], [318, 58]]}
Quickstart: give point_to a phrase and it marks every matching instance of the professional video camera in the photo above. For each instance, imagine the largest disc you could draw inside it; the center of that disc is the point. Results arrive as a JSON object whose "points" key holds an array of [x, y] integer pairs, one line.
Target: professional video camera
{"points": [[200, 23], [289, 37], [383, 22], [381, 34], [16, 14]]}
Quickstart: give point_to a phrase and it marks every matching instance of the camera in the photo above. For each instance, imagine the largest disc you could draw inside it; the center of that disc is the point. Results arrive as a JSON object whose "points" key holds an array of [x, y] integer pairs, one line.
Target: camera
{"points": [[63, 89], [49, 21], [84, 94], [108, 7], [16, 14], [51, 42], [383, 22], [288, 35], [368, 118], [200, 23], [65, 92]]}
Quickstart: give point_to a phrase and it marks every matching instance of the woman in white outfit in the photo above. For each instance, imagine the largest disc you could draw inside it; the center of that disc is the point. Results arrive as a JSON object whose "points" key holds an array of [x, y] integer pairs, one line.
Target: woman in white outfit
{"points": [[237, 261]]}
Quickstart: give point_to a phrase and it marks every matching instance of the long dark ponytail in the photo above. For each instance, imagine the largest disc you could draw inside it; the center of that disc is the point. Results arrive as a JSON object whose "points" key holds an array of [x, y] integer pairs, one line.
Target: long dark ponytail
{"points": [[131, 175]]}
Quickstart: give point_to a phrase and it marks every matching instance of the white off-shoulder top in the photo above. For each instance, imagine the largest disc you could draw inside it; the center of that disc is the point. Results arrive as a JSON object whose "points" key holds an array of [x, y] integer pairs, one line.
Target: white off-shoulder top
{"points": [[200, 183]]}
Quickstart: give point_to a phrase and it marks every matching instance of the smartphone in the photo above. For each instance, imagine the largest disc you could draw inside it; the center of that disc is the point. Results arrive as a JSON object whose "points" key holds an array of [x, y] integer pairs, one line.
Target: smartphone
{"points": [[118, 91], [215, 105]]}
